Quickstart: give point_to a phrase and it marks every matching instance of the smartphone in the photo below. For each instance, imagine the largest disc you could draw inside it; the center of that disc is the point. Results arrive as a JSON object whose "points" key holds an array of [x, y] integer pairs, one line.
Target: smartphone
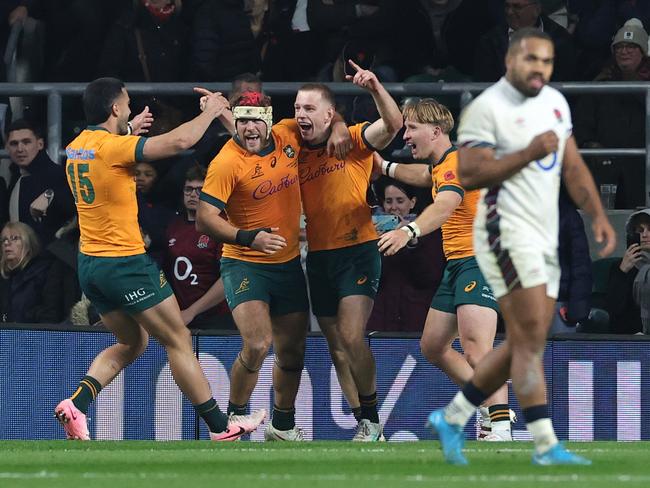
{"points": [[633, 238], [385, 222]]}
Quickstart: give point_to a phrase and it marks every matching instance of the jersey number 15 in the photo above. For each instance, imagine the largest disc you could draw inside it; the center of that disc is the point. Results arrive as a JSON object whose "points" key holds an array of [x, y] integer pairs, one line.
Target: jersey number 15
{"points": [[81, 182]]}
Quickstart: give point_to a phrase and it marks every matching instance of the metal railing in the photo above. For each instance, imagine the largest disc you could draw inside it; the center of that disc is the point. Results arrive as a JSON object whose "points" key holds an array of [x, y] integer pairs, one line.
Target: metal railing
{"points": [[55, 91]]}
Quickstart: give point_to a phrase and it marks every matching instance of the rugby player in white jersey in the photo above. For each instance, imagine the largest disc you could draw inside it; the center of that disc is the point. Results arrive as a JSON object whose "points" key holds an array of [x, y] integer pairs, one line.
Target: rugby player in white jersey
{"points": [[516, 144]]}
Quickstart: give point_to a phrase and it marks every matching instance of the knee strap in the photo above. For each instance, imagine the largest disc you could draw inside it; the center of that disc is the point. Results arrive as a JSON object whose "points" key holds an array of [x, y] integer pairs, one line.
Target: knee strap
{"points": [[296, 369], [246, 366]]}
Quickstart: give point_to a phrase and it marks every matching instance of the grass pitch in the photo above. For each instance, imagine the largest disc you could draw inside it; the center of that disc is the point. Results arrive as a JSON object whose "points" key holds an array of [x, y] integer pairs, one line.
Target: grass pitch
{"points": [[189, 464]]}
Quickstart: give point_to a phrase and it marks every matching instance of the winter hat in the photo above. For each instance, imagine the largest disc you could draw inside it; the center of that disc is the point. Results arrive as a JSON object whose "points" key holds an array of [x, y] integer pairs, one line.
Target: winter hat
{"points": [[634, 33]]}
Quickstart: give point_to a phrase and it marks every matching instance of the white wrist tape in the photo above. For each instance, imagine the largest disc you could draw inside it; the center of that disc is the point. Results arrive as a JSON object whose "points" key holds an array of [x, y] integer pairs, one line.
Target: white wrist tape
{"points": [[412, 229], [388, 168]]}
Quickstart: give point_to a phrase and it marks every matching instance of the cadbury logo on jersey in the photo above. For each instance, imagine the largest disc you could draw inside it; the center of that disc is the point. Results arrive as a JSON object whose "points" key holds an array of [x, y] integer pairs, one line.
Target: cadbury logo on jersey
{"points": [[203, 242], [268, 188]]}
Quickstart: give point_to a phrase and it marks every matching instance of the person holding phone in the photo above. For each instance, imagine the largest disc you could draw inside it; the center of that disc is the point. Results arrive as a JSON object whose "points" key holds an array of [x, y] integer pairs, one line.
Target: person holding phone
{"points": [[463, 306], [403, 299], [625, 311]]}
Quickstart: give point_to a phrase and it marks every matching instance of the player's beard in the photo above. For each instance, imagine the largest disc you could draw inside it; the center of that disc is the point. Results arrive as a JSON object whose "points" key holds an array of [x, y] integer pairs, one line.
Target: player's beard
{"points": [[123, 127], [522, 85]]}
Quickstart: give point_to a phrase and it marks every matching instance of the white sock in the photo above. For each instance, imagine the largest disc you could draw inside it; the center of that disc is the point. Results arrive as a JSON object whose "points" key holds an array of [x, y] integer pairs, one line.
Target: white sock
{"points": [[485, 417], [459, 410], [501, 426], [543, 434]]}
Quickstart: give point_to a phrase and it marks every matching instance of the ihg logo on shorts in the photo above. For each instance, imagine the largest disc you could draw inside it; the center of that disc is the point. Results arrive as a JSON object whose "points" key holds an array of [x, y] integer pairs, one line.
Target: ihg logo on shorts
{"points": [[136, 296]]}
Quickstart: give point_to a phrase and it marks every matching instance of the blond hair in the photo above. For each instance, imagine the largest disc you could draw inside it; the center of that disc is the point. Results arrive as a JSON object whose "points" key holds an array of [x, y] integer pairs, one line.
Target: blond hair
{"points": [[31, 247], [429, 111]]}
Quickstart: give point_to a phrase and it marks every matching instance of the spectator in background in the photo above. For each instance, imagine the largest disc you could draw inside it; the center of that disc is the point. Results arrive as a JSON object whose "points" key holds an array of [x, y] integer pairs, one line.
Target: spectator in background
{"points": [[596, 22], [628, 284], [149, 42], [153, 216], [39, 195], [491, 52], [23, 273], [574, 297], [61, 289], [222, 45], [191, 264], [440, 37], [338, 22], [242, 83], [409, 278], [618, 120]]}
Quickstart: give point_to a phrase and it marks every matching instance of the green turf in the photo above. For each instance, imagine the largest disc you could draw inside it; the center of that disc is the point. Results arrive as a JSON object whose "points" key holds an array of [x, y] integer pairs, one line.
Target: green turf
{"points": [[188, 464]]}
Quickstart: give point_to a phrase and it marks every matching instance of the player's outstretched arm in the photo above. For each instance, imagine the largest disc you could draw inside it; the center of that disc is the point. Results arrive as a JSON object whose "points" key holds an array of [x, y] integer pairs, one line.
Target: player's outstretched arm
{"points": [[381, 132], [478, 167], [185, 135], [429, 220], [412, 174], [264, 239], [582, 189]]}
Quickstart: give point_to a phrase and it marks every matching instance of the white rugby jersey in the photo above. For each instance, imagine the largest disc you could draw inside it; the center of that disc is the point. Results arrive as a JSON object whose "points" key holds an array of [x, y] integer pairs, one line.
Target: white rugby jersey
{"points": [[526, 203]]}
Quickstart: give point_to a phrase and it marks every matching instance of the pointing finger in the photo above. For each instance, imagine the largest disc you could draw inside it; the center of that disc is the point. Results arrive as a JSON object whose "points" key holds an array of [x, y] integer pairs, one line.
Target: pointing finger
{"points": [[354, 65], [202, 91]]}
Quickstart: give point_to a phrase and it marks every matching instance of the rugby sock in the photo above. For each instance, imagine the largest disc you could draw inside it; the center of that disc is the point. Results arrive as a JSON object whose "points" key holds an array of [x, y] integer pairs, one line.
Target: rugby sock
{"points": [[234, 409], [87, 391], [356, 411], [369, 407], [464, 404], [283, 418], [540, 426], [500, 417], [209, 411]]}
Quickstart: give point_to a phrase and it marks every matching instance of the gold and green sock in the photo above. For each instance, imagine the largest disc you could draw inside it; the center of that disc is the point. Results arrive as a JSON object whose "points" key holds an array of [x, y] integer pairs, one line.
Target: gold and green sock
{"points": [[87, 391]]}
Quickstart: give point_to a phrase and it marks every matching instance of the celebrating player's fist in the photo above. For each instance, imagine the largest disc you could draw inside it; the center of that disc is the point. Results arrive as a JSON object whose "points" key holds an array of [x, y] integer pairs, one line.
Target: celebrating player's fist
{"points": [[542, 145]]}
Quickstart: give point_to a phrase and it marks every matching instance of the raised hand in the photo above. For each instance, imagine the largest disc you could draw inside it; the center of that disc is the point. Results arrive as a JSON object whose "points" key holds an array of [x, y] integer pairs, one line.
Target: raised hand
{"points": [[363, 78], [141, 122], [212, 101]]}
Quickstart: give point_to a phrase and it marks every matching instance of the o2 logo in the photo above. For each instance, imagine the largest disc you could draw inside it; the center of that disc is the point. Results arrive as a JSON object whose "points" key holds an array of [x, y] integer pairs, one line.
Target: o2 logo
{"points": [[188, 270], [548, 163]]}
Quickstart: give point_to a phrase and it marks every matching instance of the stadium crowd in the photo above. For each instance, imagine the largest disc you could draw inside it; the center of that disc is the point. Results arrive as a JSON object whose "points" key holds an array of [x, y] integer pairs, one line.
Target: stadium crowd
{"points": [[247, 42]]}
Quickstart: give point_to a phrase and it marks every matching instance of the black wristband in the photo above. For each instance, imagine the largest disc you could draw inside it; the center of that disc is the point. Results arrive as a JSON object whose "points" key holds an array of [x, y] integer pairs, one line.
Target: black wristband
{"points": [[246, 237]]}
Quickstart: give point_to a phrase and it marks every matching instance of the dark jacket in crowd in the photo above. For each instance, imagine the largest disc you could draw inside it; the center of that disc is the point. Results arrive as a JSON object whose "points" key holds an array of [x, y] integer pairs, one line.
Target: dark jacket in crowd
{"points": [[22, 291], [61, 289], [576, 278], [492, 48], [44, 174], [222, 42], [409, 279], [153, 218], [165, 47], [624, 312]]}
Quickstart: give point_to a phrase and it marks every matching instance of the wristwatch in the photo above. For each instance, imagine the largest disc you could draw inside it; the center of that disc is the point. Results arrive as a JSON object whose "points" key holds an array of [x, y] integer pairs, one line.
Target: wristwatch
{"points": [[49, 194]]}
